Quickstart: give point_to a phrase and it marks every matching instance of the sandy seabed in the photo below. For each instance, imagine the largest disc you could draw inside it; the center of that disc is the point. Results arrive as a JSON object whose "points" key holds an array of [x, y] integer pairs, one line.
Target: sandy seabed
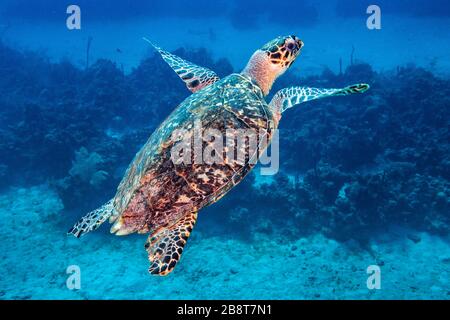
{"points": [[35, 253]]}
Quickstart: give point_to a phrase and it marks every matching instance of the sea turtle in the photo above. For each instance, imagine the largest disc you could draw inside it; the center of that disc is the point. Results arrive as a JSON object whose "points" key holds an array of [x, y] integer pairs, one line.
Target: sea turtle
{"points": [[161, 196]]}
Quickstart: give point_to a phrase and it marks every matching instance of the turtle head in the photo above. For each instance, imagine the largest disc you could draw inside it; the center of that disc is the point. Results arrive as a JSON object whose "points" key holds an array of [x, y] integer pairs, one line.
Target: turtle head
{"points": [[282, 51], [272, 60]]}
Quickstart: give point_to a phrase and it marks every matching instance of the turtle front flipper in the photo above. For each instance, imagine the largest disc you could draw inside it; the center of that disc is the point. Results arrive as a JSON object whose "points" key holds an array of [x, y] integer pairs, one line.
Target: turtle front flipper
{"points": [[194, 76], [289, 97], [166, 245]]}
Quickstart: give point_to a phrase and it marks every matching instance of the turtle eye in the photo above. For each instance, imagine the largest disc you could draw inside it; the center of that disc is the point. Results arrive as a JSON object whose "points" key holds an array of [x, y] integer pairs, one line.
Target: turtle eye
{"points": [[290, 46]]}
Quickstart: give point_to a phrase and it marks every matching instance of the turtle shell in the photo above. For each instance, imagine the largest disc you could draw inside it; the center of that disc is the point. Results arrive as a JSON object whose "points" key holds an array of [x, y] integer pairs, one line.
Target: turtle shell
{"points": [[156, 191]]}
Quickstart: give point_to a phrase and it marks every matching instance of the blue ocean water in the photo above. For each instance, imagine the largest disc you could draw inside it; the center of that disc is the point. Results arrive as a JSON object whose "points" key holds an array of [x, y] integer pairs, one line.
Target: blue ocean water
{"points": [[363, 184]]}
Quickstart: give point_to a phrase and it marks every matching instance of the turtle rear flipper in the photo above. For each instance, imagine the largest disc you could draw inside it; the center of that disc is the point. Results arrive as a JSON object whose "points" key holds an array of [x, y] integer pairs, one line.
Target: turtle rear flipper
{"points": [[166, 245], [93, 219]]}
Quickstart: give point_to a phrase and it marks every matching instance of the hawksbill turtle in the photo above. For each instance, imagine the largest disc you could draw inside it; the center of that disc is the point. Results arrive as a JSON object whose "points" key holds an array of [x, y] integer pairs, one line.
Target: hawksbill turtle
{"points": [[162, 197]]}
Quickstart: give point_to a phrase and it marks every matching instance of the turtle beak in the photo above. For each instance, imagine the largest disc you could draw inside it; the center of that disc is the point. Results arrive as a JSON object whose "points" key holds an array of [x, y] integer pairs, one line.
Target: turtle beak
{"points": [[299, 43]]}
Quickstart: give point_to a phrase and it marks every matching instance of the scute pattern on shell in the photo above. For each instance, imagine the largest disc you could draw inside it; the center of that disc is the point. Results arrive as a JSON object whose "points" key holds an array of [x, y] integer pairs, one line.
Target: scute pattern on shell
{"points": [[155, 192]]}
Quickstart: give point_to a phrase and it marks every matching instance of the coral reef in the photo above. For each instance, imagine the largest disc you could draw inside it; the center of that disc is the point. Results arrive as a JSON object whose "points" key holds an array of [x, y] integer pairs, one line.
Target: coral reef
{"points": [[347, 164], [86, 168]]}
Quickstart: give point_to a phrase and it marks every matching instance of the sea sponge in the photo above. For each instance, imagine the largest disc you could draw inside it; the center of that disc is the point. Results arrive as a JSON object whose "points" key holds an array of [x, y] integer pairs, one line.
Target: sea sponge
{"points": [[86, 167]]}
